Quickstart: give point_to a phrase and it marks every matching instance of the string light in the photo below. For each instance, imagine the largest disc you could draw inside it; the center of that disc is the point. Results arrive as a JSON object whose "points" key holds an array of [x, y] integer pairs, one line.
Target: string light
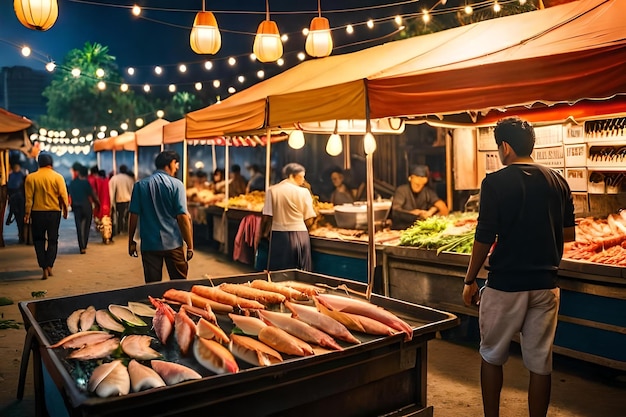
{"points": [[232, 61], [26, 51], [182, 68], [99, 73], [130, 71], [76, 72], [370, 24], [50, 66], [349, 29], [216, 83], [102, 85], [496, 7], [425, 16], [124, 87], [468, 10], [172, 88], [146, 88], [158, 70], [198, 86], [136, 10], [208, 65]]}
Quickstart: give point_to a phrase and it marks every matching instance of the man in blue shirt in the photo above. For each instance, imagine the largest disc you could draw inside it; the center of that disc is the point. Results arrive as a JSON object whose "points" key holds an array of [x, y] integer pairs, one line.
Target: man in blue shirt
{"points": [[159, 204]]}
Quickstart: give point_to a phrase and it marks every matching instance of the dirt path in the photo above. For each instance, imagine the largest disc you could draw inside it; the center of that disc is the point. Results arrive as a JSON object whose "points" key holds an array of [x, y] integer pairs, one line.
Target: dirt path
{"points": [[579, 390]]}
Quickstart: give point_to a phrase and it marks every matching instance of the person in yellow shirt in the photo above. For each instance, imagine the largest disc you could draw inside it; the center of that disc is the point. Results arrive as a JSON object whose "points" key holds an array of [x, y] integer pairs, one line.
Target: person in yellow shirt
{"points": [[46, 202]]}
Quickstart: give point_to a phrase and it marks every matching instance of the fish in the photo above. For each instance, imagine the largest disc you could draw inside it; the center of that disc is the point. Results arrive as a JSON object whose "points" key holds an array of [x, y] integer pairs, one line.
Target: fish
{"points": [[143, 377], [138, 347], [205, 312], [327, 324], [215, 357], [107, 322], [359, 323], [364, 308], [284, 342], [96, 351], [221, 296], [88, 318], [308, 289], [252, 351], [73, 320], [80, 339], [163, 320], [184, 330], [299, 329], [248, 325], [245, 291], [288, 292], [208, 330], [140, 309], [173, 373], [110, 379]]}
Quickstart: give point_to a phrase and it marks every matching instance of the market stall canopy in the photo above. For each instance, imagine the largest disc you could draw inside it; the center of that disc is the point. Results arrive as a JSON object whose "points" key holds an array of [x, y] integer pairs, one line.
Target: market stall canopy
{"points": [[151, 134], [561, 54], [123, 142], [175, 133], [13, 133]]}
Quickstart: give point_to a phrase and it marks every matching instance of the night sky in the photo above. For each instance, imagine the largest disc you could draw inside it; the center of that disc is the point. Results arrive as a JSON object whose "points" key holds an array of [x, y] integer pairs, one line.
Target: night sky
{"points": [[143, 43]]}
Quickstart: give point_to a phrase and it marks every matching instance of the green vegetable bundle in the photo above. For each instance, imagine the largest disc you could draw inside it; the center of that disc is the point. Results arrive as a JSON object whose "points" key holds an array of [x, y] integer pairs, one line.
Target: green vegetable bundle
{"points": [[441, 233]]}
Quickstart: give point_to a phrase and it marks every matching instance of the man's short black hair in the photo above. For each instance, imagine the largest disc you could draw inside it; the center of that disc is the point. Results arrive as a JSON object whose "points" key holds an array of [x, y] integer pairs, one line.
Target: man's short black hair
{"points": [[123, 169], [518, 133], [94, 170], [235, 169], [165, 158]]}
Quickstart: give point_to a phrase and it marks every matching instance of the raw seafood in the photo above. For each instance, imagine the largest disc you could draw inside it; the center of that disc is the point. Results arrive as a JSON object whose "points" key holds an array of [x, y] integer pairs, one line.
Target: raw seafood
{"points": [[173, 373], [73, 319], [142, 377], [163, 320], [248, 325], [288, 292], [180, 296], [96, 351], [140, 309], [299, 329], [205, 312], [138, 347], [284, 342], [327, 324], [80, 339], [208, 330], [107, 322], [124, 314], [359, 323], [110, 379], [224, 297], [364, 308], [308, 289], [87, 318], [253, 351], [214, 356], [244, 291], [185, 330]]}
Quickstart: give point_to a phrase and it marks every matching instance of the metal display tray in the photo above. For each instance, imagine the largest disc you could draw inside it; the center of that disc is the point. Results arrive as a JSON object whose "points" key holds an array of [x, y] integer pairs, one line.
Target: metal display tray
{"points": [[379, 376]]}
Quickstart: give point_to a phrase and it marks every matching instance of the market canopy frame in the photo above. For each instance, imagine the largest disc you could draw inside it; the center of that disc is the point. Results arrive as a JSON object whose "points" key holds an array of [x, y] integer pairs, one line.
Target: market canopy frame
{"points": [[561, 54]]}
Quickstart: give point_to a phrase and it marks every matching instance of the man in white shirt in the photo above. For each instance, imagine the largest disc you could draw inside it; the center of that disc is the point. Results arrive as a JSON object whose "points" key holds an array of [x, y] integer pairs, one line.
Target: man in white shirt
{"points": [[120, 189]]}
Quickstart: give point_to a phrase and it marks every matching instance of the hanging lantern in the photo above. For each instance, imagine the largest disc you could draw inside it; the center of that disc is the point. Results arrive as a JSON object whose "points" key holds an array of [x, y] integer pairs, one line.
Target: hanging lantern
{"points": [[334, 146], [296, 139], [268, 46], [205, 36], [319, 41], [36, 14], [369, 143]]}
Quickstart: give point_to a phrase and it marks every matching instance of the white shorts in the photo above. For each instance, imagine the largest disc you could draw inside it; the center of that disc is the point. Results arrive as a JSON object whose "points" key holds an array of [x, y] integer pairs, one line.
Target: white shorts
{"points": [[531, 314]]}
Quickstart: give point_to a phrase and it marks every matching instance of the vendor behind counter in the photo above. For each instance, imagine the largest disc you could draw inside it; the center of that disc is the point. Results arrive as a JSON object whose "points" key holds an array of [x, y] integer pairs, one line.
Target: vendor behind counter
{"points": [[415, 200]]}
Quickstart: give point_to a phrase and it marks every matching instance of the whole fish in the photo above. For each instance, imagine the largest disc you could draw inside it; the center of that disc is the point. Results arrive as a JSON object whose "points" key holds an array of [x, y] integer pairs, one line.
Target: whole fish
{"points": [[284, 342], [299, 329], [364, 308], [163, 320], [311, 316], [80, 339], [252, 351], [96, 351]]}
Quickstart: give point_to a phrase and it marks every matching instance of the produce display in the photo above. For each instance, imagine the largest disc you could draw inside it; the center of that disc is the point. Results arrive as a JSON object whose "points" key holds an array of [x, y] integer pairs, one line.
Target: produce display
{"points": [[452, 233], [600, 240], [188, 335], [252, 201]]}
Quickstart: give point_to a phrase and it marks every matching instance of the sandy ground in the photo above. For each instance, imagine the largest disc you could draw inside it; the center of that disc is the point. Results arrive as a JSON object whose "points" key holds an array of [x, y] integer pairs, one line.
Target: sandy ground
{"points": [[579, 389]]}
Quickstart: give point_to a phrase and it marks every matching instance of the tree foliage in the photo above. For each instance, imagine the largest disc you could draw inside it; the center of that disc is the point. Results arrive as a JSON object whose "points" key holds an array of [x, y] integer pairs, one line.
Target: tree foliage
{"points": [[79, 102]]}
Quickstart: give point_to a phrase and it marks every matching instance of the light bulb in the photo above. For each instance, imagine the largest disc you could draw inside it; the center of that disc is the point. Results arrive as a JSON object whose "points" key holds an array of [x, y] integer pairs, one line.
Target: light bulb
{"points": [[334, 146], [369, 143], [296, 139]]}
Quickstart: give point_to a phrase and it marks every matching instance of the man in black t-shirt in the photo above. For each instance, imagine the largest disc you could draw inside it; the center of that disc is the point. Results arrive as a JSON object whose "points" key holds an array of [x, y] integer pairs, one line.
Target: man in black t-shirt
{"points": [[526, 214]]}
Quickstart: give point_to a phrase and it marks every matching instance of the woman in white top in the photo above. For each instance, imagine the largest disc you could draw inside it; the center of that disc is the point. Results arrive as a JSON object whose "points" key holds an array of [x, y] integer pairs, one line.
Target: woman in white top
{"points": [[289, 208]]}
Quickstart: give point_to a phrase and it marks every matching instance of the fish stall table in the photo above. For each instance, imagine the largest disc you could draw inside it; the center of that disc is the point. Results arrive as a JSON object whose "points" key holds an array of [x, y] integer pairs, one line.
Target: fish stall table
{"points": [[592, 314], [383, 375]]}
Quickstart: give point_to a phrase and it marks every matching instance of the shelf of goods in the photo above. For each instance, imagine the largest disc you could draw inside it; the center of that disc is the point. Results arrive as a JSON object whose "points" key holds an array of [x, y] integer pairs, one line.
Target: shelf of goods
{"points": [[381, 375], [592, 320]]}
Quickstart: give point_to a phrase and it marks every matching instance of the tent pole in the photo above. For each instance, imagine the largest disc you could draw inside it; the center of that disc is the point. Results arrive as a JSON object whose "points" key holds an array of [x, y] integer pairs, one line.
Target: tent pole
{"points": [[115, 162], [213, 158], [268, 157], [449, 170], [371, 249], [185, 163]]}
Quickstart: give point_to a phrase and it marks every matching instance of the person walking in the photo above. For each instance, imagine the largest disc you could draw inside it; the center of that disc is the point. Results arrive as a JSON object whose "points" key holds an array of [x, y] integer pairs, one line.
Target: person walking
{"points": [[82, 196], [288, 212], [15, 192], [46, 201], [159, 205], [102, 213], [526, 214], [120, 189]]}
